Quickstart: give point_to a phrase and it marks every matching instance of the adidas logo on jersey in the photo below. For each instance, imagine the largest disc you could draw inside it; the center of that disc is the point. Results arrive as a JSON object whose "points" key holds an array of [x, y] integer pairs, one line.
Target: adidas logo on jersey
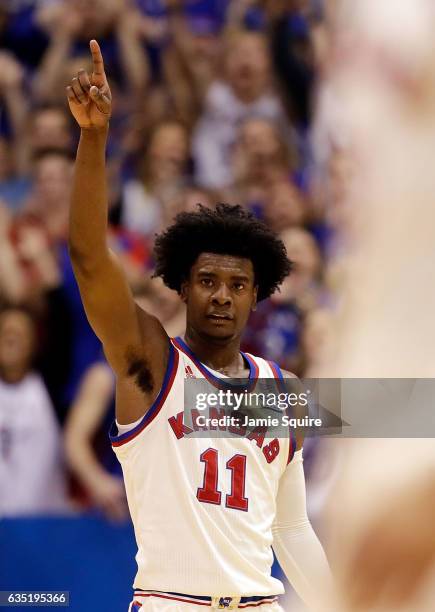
{"points": [[189, 373]]}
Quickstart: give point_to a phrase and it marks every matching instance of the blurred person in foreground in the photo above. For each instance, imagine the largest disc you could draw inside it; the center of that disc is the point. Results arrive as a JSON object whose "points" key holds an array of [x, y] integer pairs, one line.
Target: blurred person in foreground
{"points": [[32, 476], [381, 536], [218, 261]]}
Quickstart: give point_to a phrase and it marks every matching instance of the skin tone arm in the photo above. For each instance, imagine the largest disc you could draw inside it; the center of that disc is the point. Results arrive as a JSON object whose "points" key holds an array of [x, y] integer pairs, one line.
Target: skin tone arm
{"points": [[84, 418], [62, 23], [135, 343], [13, 96], [132, 54], [12, 280], [395, 551], [188, 74]]}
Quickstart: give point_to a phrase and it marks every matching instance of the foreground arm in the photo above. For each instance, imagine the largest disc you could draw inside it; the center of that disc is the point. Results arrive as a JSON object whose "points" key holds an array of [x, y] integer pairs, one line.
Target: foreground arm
{"points": [[132, 339], [395, 551], [295, 543]]}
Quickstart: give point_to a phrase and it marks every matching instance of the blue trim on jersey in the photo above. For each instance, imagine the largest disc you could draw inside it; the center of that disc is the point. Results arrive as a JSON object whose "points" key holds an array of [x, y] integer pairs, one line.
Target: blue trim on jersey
{"points": [[219, 382], [255, 598], [243, 600], [292, 437], [277, 368], [293, 444], [197, 597], [155, 407]]}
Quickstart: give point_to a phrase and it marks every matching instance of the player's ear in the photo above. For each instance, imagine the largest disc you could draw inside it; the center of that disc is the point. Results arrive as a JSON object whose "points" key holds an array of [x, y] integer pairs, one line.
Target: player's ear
{"points": [[254, 299]]}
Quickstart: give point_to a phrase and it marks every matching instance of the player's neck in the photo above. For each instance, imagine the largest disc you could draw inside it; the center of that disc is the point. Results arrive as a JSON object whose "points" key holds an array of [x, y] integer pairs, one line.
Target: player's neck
{"points": [[219, 354]]}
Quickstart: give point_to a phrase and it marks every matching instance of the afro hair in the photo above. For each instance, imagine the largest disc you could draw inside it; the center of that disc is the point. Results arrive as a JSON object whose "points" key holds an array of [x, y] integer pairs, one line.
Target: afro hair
{"points": [[225, 230]]}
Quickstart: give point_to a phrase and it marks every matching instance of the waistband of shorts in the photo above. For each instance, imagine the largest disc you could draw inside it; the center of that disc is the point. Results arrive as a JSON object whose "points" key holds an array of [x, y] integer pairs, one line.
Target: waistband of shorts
{"points": [[202, 600]]}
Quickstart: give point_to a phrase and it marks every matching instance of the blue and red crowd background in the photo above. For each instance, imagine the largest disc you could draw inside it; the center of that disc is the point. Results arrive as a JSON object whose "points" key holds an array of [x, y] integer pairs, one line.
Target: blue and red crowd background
{"points": [[213, 101]]}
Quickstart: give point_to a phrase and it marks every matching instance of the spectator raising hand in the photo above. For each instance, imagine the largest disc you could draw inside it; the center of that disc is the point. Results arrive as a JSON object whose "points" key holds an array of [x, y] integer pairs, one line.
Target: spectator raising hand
{"points": [[12, 95], [70, 25]]}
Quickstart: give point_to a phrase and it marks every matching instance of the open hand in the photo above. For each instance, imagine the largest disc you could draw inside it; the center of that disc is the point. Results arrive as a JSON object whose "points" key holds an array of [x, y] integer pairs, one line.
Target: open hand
{"points": [[89, 97]]}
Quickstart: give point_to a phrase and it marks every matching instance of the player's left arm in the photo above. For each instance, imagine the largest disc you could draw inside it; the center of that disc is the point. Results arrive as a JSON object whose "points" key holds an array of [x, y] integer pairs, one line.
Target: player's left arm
{"points": [[295, 543]]}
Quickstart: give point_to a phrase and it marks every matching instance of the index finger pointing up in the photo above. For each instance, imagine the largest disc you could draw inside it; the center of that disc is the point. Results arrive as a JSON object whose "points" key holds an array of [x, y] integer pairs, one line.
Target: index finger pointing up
{"points": [[97, 58]]}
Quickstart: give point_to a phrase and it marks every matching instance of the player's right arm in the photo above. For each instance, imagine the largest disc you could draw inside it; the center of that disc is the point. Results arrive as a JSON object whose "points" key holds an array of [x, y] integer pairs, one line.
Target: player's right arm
{"points": [[135, 343]]}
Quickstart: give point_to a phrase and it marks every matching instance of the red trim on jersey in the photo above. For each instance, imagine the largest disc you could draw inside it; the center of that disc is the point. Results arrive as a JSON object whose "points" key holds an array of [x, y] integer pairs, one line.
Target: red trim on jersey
{"points": [[155, 408], [190, 601], [257, 603]]}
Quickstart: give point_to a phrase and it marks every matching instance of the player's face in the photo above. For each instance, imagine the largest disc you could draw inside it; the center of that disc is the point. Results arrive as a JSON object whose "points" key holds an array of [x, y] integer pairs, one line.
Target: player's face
{"points": [[219, 295]]}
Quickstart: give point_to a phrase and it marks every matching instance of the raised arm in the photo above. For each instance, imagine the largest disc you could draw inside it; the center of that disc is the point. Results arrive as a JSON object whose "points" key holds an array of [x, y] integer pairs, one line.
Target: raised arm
{"points": [[135, 343], [13, 97]]}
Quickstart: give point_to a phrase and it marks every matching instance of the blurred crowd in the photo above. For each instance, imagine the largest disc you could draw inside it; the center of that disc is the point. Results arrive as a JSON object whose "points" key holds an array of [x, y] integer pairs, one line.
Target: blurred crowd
{"points": [[213, 101]]}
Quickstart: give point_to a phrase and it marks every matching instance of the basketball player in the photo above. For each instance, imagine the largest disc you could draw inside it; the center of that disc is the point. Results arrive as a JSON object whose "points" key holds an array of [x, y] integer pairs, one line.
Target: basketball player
{"points": [[205, 511]]}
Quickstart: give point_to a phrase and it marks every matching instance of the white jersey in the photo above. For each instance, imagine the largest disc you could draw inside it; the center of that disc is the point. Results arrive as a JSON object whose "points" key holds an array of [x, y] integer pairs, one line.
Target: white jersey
{"points": [[202, 508], [32, 478]]}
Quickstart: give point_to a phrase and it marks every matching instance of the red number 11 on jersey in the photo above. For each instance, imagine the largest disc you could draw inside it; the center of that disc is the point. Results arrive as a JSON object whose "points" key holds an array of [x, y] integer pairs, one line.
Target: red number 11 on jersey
{"points": [[209, 493]]}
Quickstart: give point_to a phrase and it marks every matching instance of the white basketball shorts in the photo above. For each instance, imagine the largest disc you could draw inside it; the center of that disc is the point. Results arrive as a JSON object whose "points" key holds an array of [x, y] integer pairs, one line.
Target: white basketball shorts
{"points": [[156, 601]]}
